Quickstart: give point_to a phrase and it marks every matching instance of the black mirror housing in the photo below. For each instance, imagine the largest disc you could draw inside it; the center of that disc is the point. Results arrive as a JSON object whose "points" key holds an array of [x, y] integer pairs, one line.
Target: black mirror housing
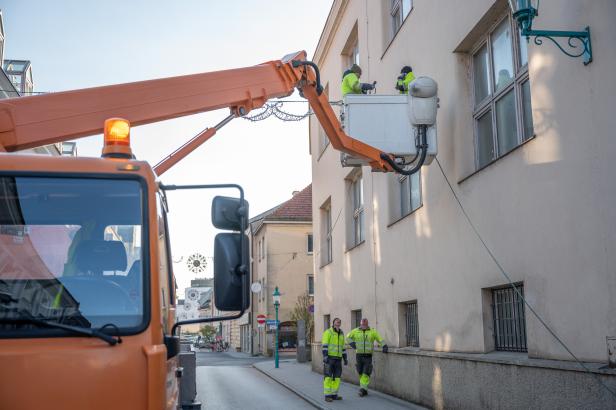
{"points": [[227, 213], [231, 276]]}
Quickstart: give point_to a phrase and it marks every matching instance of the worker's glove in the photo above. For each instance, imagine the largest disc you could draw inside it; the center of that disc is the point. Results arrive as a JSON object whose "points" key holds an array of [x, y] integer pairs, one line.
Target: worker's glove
{"points": [[385, 349], [353, 345], [325, 359], [346, 362]]}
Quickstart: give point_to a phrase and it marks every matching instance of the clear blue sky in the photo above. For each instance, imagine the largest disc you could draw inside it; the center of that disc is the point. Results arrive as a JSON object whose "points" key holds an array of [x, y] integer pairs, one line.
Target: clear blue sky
{"points": [[85, 43]]}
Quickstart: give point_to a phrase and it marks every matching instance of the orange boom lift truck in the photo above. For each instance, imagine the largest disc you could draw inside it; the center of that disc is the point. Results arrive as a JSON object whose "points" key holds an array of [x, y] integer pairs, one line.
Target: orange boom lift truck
{"points": [[87, 303]]}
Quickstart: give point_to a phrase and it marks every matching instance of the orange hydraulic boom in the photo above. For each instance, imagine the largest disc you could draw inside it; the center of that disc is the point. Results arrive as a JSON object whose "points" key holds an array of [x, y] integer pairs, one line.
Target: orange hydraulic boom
{"points": [[45, 119]]}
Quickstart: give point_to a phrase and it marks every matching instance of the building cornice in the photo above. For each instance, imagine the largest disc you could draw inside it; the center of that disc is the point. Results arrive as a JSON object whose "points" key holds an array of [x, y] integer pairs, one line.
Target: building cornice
{"points": [[330, 28]]}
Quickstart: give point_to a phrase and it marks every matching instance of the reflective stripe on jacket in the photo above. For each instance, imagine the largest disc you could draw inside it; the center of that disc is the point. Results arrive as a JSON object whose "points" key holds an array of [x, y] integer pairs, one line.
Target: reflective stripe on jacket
{"points": [[350, 84], [364, 339], [333, 343]]}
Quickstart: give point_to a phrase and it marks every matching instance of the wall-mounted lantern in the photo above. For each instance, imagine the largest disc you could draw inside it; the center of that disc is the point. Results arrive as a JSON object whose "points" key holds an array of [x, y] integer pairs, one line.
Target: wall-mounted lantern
{"points": [[524, 11]]}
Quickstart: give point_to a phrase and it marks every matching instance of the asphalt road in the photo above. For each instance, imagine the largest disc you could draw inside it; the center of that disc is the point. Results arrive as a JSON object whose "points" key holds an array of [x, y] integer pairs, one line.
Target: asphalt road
{"points": [[227, 359], [227, 381]]}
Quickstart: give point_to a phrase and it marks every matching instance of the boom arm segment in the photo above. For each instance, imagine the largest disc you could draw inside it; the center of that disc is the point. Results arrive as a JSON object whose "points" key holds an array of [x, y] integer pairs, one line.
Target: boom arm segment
{"points": [[29, 122]]}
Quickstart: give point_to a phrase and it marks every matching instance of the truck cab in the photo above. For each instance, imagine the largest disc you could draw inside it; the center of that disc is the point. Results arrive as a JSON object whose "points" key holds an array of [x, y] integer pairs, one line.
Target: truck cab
{"points": [[84, 247]]}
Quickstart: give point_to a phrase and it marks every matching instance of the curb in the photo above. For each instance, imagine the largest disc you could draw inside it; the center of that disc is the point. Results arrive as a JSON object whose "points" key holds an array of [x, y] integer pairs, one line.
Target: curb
{"points": [[304, 396]]}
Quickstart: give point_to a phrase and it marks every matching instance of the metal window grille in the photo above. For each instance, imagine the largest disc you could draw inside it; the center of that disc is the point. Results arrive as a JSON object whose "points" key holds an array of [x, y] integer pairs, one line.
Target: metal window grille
{"points": [[355, 318], [509, 320], [412, 325]]}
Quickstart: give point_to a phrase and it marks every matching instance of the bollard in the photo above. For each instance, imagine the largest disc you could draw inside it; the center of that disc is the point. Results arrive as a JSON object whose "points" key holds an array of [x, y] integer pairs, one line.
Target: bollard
{"points": [[301, 341], [188, 381], [611, 351]]}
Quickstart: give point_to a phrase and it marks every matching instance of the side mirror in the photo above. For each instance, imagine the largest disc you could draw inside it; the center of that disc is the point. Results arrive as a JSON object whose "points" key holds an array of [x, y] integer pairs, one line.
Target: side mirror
{"points": [[229, 214], [231, 275], [231, 254]]}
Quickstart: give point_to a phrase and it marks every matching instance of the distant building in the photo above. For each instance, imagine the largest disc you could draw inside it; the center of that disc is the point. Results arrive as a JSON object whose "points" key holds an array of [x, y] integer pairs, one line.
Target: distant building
{"points": [[19, 73], [16, 81], [281, 253]]}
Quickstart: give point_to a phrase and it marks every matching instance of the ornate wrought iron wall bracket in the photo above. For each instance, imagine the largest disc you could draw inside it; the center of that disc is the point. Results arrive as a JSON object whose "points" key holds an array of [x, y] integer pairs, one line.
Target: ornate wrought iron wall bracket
{"points": [[577, 41]]}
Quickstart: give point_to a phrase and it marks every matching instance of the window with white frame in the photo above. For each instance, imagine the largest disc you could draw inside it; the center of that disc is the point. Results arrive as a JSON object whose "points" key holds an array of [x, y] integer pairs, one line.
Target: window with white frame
{"points": [[356, 192], [350, 51], [354, 55], [326, 233], [409, 187], [501, 92], [399, 10], [311, 285], [259, 250]]}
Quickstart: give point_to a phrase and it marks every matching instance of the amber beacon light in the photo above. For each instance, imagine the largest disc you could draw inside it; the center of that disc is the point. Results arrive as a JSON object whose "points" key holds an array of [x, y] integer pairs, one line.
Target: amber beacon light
{"points": [[117, 138]]}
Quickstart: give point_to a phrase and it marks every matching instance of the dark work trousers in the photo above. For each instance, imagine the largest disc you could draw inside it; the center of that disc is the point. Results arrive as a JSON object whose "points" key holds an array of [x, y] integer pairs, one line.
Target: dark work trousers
{"points": [[364, 369], [332, 372]]}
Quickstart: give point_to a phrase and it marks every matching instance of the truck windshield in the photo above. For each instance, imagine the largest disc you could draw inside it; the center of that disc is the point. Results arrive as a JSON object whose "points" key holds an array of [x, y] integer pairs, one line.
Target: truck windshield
{"points": [[71, 252]]}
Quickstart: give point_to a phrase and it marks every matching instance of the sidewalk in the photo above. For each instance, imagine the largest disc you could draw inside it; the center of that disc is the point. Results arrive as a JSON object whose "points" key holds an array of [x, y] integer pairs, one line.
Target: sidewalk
{"points": [[299, 378]]}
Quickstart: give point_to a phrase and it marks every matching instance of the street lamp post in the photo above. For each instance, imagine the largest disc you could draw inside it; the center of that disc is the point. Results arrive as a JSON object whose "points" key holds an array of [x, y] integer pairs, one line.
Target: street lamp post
{"points": [[276, 296]]}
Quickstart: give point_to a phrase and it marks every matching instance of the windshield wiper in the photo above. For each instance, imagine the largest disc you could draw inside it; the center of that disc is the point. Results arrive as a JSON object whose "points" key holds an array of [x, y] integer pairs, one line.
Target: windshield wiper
{"points": [[27, 317]]}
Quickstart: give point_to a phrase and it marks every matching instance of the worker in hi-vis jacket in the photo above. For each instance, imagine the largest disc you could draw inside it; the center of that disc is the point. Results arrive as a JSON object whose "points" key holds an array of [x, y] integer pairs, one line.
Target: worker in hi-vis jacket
{"points": [[351, 84], [334, 352], [362, 339]]}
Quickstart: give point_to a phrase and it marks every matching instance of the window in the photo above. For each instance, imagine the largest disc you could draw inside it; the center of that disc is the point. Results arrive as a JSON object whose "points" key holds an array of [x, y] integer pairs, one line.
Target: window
{"points": [[502, 111], [400, 9], [81, 267], [355, 318], [354, 55], [262, 249], [357, 231], [405, 195], [411, 324], [326, 233], [509, 319], [310, 244], [350, 51], [311, 285], [327, 323], [259, 250]]}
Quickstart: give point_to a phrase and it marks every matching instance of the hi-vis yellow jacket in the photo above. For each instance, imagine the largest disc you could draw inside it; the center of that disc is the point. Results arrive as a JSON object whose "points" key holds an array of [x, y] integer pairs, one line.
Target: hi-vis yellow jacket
{"points": [[364, 339], [333, 343]]}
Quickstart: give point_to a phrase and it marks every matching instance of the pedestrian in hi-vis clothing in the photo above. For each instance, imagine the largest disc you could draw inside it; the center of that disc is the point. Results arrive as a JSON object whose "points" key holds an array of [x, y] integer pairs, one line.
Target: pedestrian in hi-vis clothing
{"points": [[334, 352], [362, 339]]}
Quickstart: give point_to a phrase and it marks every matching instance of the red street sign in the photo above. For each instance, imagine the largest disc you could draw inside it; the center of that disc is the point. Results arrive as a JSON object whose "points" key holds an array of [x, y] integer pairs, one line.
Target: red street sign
{"points": [[260, 319]]}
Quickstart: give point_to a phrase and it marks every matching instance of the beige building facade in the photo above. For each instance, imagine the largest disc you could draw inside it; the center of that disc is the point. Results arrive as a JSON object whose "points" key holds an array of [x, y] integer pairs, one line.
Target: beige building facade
{"points": [[281, 246], [525, 137]]}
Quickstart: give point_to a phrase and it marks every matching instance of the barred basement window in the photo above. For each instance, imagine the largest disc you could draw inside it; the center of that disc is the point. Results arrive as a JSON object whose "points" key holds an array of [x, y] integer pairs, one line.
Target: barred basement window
{"points": [[412, 324], [509, 319]]}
